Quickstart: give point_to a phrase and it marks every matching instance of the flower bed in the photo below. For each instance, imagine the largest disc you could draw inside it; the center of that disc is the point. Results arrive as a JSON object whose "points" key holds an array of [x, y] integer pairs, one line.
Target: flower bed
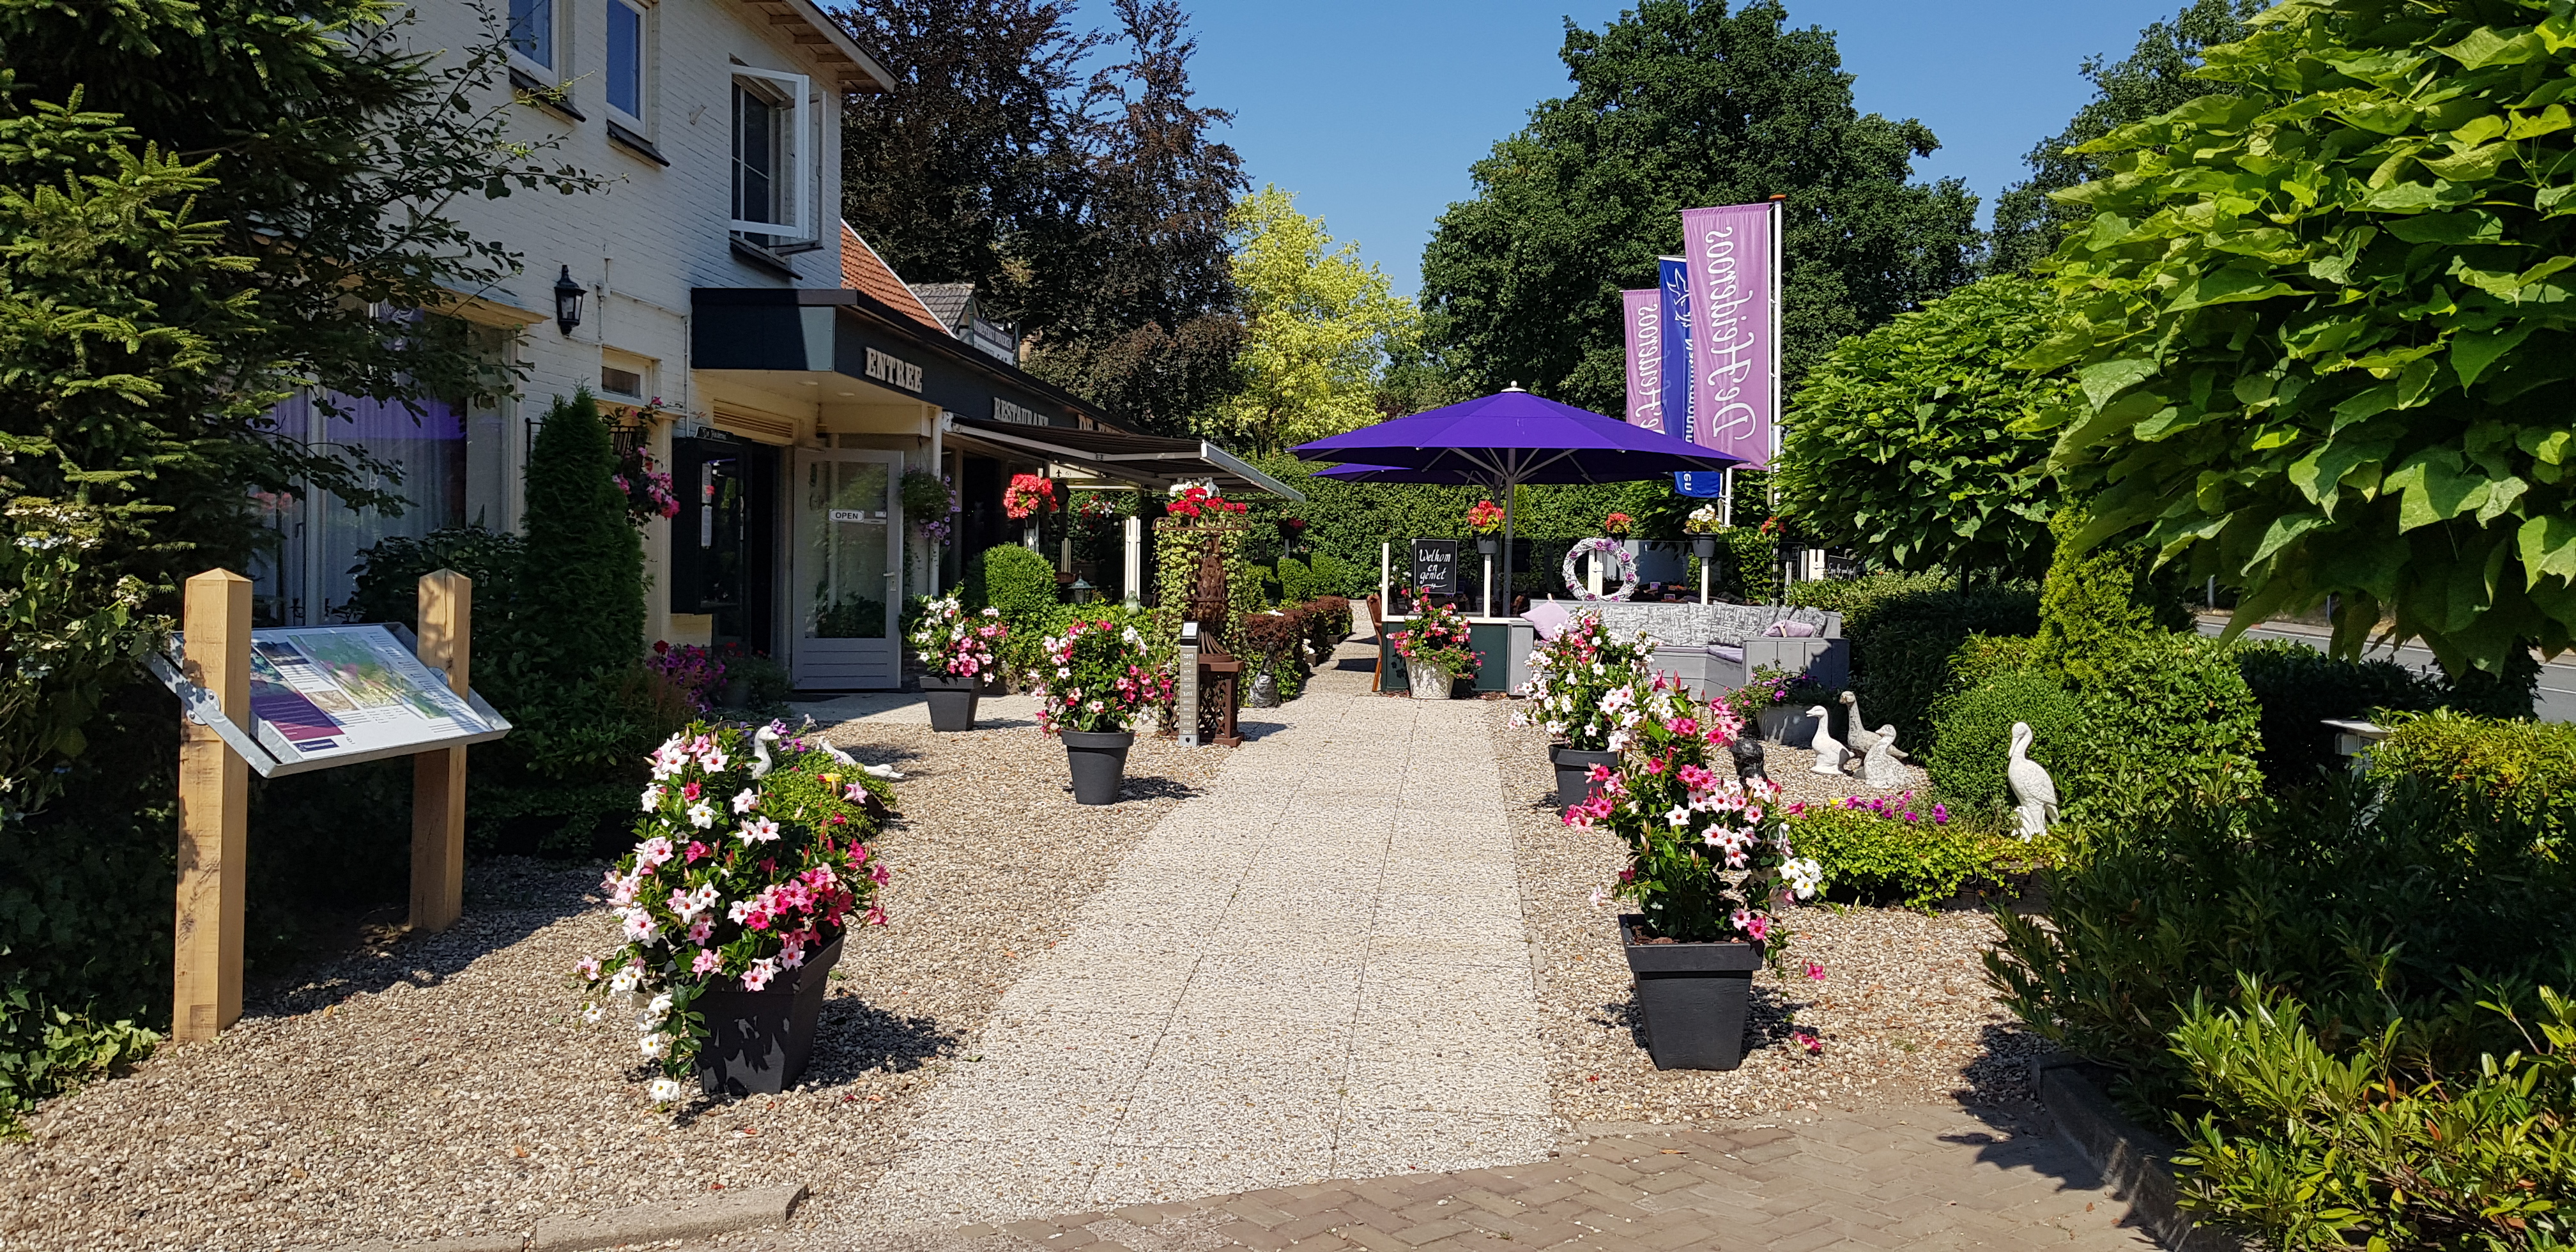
{"points": [[1909, 852]]}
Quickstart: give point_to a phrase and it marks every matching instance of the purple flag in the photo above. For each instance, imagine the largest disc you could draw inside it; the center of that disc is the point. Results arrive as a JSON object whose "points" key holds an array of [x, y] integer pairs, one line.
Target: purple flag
{"points": [[1733, 255], [1644, 317]]}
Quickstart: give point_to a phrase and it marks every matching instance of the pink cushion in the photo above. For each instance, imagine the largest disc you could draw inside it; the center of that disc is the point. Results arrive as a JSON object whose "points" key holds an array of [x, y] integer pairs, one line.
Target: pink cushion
{"points": [[1785, 629], [1547, 617]]}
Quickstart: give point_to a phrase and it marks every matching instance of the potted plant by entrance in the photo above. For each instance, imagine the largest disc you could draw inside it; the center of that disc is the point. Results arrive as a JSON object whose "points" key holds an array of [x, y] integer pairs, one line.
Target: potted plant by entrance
{"points": [[1096, 680], [1584, 688], [956, 649], [750, 866], [1435, 650], [1702, 527], [1709, 867]]}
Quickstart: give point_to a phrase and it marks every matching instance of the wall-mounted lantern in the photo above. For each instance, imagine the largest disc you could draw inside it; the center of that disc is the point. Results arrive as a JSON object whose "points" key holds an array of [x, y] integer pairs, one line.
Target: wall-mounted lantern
{"points": [[567, 302]]}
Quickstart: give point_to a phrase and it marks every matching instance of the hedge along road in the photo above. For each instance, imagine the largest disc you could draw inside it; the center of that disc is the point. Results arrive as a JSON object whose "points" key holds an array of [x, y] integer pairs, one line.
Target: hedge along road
{"points": [[2555, 702]]}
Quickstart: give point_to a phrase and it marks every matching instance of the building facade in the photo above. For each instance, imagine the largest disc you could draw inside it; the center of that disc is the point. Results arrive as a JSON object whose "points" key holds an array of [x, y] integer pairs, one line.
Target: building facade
{"points": [[766, 357]]}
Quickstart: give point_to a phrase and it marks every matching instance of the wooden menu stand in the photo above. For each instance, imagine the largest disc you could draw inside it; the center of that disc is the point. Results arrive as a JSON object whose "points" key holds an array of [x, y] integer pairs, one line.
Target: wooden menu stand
{"points": [[1220, 673]]}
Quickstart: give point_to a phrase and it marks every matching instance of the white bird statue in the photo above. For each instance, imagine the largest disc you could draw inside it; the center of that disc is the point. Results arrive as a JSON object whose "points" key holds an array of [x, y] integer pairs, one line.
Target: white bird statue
{"points": [[1829, 750], [1879, 769], [1857, 731], [2034, 792], [769, 734]]}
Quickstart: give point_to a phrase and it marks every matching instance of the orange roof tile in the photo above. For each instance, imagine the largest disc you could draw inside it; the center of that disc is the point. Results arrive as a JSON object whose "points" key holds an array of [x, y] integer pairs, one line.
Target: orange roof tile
{"points": [[863, 270]]}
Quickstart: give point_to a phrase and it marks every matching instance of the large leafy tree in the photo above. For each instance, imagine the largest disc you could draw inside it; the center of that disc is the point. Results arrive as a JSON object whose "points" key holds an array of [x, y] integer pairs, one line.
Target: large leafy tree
{"points": [[1678, 104], [1910, 442], [2325, 326], [1322, 327], [2156, 77]]}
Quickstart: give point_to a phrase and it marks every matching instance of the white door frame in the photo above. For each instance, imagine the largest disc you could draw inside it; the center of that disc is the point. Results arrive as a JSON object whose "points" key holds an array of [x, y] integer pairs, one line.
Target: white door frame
{"points": [[842, 664]]}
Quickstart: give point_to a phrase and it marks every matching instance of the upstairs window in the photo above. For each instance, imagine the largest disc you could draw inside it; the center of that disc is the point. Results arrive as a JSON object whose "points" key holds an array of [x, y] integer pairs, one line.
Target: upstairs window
{"points": [[769, 129], [531, 32], [626, 58]]}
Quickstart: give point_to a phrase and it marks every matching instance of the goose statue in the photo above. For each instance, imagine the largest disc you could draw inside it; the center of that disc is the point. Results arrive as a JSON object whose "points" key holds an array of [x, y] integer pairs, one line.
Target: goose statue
{"points": [[1857, 731], [2034, 792], [1829, 750], [1879, 768], [768, 735]]}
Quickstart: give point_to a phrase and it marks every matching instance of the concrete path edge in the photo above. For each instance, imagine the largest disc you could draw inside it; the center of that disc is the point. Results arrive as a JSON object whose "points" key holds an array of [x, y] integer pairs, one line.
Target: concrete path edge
{"points": [[722, 1213], [2132, 1158]]}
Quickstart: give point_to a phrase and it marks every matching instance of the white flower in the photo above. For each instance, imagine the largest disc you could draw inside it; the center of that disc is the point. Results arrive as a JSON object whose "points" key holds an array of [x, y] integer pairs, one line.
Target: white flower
{"points": [[624, 980], [654, 1046], [660, 1007], [1804, 876], [747, 801], [665, 1090], [759, 830], [1679, 817], [702, 815], [591, 1013], [1599, 897], [652, 797], [714, 759], [639, 925]]}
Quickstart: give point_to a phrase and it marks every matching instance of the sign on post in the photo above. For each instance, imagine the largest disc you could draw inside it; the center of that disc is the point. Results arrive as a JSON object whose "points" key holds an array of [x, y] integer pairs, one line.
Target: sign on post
{"points": [[295, 699], [1435, 566]]}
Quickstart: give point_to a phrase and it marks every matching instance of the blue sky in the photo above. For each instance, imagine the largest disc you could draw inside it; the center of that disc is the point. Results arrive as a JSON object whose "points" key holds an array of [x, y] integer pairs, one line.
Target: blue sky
{"points": [[1371, 110]]}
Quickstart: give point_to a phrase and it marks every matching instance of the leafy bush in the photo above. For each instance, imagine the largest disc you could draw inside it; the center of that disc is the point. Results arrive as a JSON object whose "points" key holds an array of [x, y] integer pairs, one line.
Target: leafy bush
{"points": [[1017, 581], [2374, 903], [1337, 577], [1296, 581], [1972, 740], [1910, 441], [1894, 852], [1850, 596], [2298, 687], [2520, 772], [2094, 602], [2167, 718], [2312, 1150], [1902, 642], [589, 596], [47, 1051]]}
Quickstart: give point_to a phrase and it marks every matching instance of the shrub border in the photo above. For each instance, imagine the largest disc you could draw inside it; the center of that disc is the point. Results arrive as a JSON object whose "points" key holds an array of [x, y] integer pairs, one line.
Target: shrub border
{"points": [[2133, 1160]]}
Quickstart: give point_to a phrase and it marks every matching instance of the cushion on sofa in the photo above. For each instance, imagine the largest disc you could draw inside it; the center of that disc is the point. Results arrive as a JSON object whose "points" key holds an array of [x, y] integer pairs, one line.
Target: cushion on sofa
{"points": [[1789, 629], [1548, 617], [1725, 653]]}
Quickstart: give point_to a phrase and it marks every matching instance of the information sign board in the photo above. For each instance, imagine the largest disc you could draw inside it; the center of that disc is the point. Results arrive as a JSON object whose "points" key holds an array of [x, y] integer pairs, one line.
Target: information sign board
{"points": [[1435, 566], [335, 695]]}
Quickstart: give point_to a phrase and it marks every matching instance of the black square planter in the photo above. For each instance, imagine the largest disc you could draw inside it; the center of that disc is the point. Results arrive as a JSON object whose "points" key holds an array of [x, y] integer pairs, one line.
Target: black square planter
{"points": [[1694, 997], [758, 1041]]}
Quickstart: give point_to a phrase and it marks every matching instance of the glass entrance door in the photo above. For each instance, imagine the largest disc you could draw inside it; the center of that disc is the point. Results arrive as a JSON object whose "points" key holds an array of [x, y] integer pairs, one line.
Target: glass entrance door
{"points": [[849, 558]]}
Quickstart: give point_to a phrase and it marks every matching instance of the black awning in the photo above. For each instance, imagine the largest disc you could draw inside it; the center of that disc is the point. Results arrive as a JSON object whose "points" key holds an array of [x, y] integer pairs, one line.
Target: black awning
{"points": [[1142, 459]]}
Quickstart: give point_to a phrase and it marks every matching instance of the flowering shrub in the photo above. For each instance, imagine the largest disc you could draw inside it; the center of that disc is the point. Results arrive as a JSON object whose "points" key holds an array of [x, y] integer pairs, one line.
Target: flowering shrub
{"points": [[1702, 521], [1896, 849], [957, 643], [1485, 517], [1617, 524], [1028, 496], [745, 865], [1584, 685], [1709, 859], [1097, 678], [1437, 637], [648, 490], [693, 670], [1196, 500]]}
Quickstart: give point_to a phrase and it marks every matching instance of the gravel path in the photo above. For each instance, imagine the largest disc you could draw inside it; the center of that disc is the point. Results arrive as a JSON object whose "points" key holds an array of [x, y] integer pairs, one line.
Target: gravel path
{"points": [[440, 1086], [1316, 970], [1904, 1011]]}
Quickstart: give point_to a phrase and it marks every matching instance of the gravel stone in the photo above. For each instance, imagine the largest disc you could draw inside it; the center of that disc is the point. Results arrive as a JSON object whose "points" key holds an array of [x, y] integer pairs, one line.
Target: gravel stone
{"points": [[1904, 1011], [442, 1086]]}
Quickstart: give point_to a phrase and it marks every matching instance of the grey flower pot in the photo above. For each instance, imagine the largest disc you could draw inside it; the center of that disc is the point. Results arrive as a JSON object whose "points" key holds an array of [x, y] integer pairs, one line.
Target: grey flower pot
{"points": [[1099, 763], [1425, 682], [1693, 997], [758, 1041], [1705, 548], [1574, 783], [952, 701]]}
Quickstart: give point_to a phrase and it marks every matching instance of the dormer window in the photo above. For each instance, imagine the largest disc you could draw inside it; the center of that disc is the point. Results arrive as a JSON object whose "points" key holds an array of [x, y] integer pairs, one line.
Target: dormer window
{"points": [[769, 129]]}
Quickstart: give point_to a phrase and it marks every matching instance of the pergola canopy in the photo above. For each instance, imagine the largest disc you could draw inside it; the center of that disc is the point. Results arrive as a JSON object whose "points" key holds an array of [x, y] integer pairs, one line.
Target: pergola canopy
{"points": [[1145, 460]]}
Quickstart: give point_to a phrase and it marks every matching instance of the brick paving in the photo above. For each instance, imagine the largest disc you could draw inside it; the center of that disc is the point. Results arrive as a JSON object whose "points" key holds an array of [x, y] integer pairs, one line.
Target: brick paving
{"points": [[1912, 1178]]}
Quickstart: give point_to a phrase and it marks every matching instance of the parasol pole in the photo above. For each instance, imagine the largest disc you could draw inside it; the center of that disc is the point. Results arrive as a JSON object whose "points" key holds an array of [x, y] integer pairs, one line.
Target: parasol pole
{"points": [[1508, 502]]}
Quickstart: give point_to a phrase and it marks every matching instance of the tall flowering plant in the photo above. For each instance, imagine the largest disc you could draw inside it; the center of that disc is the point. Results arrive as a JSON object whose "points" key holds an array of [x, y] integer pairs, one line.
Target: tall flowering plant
{"points": [[1196, 500], [747, 863], [1709, 859], [1097, 678], [956, 643], [1584, 685], [648, 490], [1437, 637], [1028, 496], [1485, 518]]}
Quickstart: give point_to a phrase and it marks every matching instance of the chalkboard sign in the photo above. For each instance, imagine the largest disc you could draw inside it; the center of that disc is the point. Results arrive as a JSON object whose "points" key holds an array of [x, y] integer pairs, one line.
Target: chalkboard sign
{"points": [[1435, 566]]}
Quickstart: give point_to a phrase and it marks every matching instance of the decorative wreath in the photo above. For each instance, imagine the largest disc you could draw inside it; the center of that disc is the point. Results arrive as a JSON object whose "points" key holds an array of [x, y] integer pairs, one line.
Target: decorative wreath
{"points": [[1611, 548]]}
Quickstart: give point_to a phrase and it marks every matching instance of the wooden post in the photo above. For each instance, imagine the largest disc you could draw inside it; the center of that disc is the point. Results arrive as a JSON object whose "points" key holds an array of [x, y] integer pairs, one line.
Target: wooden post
{"points": [[214, 814], [438, 776]]}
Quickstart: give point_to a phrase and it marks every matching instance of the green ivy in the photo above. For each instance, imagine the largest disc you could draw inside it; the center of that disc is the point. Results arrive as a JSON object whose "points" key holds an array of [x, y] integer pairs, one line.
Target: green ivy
{"points": [[2325, 328], [1909, 442]]}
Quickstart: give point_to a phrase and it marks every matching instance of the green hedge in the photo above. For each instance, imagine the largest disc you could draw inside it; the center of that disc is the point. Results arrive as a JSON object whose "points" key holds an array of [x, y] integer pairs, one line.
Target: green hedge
{"points": [[2298, 687], [1882, 856], [2167, 719], [2518, 772], [2092, 603], [1972, 739], [1902, 644]]}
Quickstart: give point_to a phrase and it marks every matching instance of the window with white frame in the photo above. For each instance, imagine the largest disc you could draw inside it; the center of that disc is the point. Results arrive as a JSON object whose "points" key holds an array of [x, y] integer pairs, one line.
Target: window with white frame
{"points": [[769, 127], [531, 32], [629, 59]]}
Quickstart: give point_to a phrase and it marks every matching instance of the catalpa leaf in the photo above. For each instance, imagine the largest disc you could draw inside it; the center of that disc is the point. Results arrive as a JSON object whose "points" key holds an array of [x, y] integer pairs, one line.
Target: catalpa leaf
{"points": [[2465, 226], [2104, 380], [2472, 353], [2435, 488], [2487, 46], [2548, 547], [2231, 285]]}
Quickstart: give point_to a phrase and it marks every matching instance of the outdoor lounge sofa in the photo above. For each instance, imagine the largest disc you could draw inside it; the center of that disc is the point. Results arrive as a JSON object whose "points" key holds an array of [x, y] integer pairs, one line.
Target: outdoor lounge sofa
{"points": [[1716, 647]]}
